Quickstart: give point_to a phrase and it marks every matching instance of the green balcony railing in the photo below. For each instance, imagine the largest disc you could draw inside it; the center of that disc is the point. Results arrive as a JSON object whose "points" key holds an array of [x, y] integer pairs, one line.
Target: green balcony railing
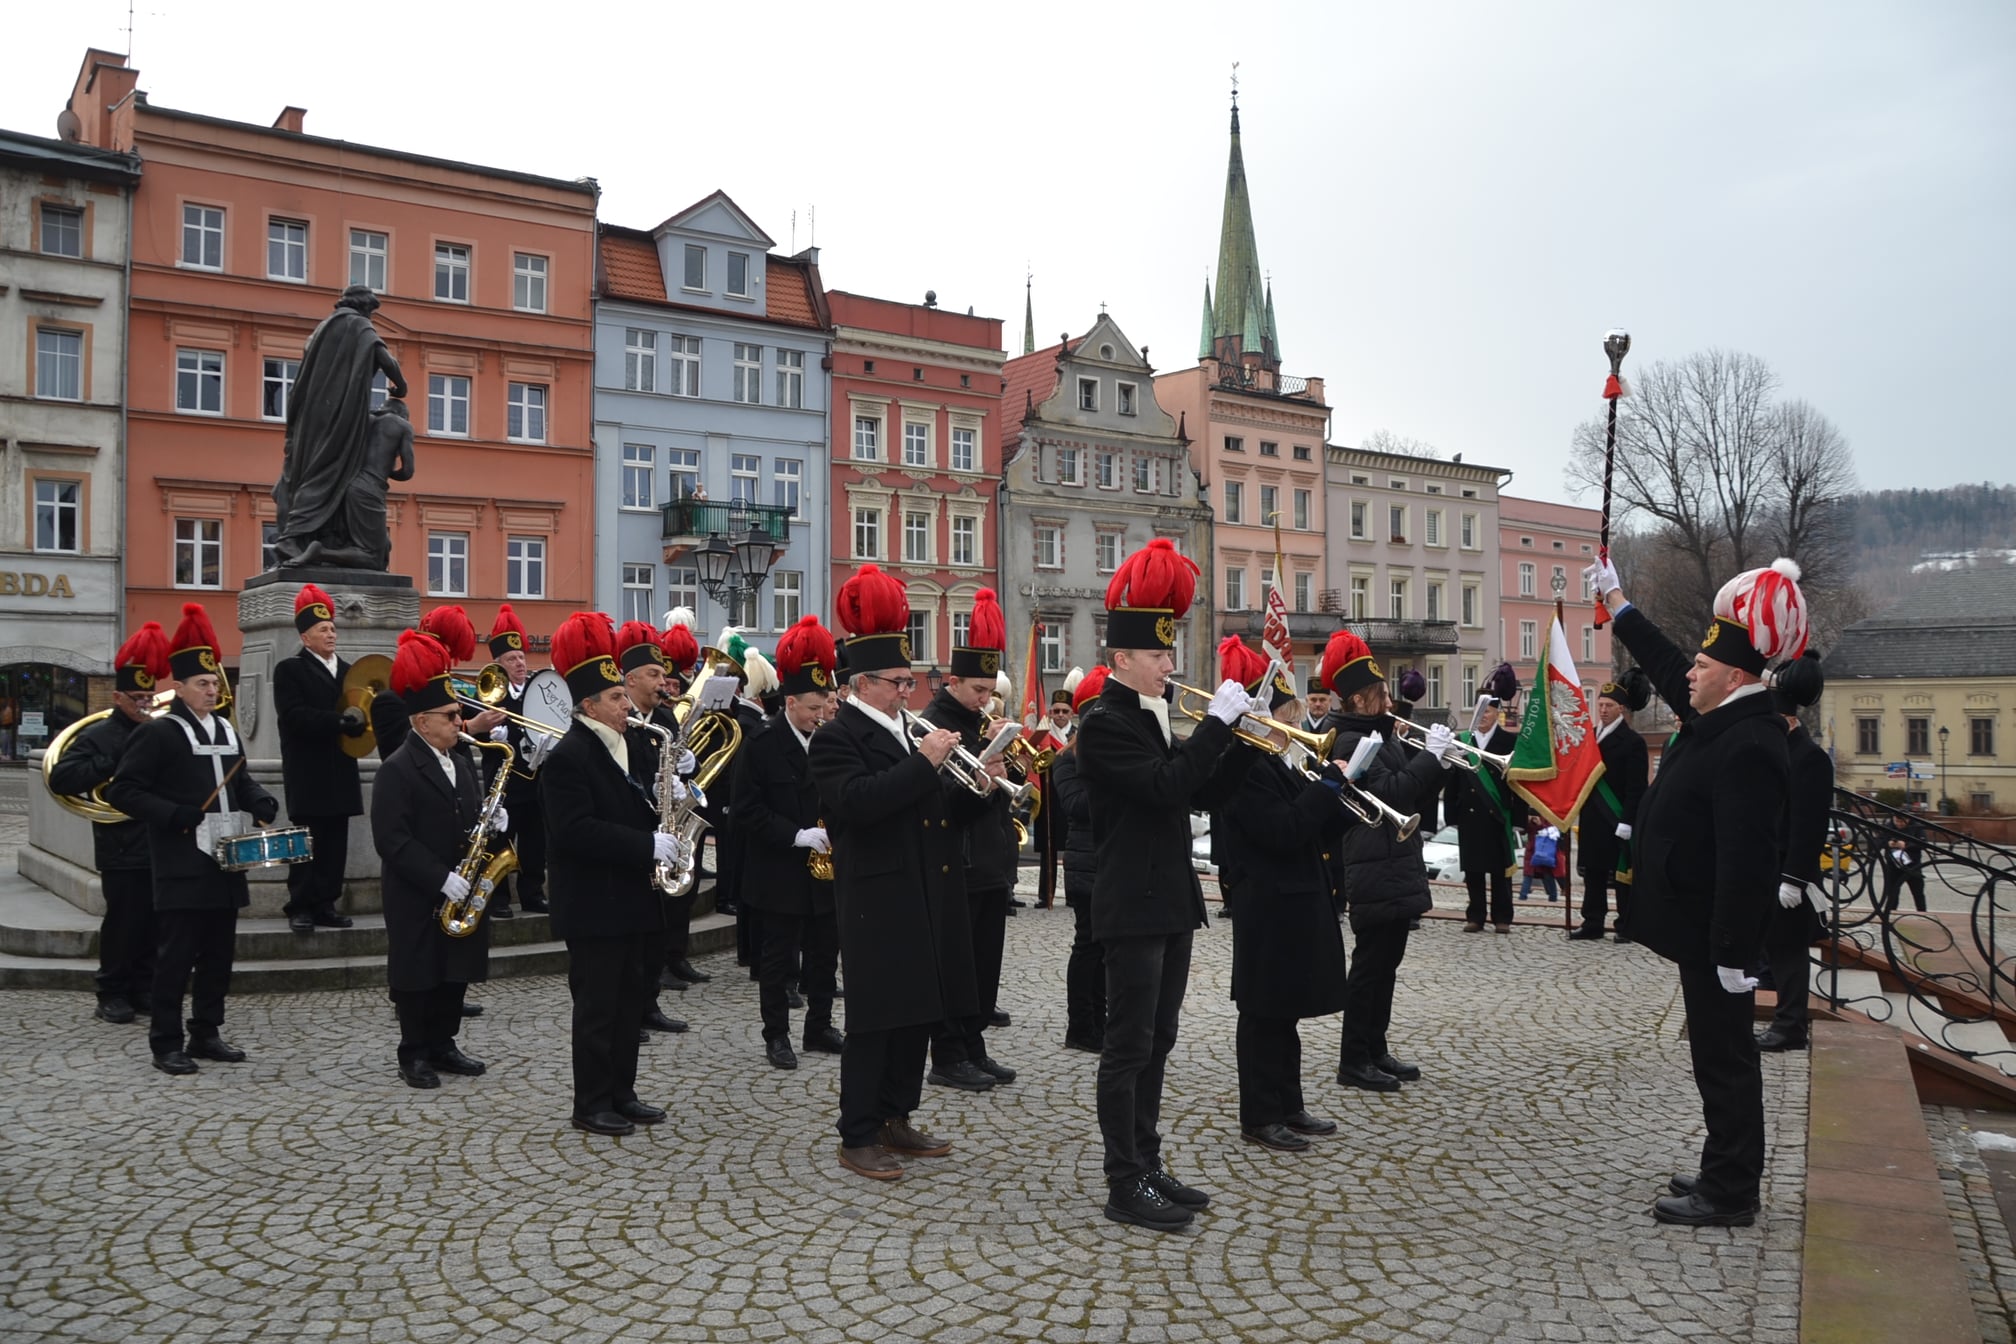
{"points": [[734, 518]]}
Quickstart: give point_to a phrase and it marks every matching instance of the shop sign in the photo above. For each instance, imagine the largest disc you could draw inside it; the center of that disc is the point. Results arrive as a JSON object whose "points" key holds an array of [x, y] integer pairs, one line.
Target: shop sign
{"points": [[27, 583]]}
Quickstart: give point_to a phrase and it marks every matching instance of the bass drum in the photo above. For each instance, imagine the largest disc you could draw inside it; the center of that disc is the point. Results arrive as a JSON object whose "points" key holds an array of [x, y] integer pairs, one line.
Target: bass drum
{"points": [[548, 701]]}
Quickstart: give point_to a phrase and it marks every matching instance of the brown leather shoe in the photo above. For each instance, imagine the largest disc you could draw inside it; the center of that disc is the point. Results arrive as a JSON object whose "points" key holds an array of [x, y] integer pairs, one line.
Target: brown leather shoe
{"points": [[873, 1162], [1473, 927], [899, 1137], [1503, 928]]}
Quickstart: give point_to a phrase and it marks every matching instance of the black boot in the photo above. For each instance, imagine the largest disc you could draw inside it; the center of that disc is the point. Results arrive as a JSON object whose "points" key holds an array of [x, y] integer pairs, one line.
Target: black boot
{"points": [[415, 1069]]}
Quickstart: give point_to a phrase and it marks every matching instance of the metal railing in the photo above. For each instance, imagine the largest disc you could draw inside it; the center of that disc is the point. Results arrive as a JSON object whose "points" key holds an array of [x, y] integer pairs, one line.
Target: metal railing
{"points": [[691, 517]]}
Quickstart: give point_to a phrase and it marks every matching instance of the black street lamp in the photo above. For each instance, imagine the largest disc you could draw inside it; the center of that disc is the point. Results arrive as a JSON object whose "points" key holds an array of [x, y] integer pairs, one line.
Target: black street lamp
{"points": [[714, 559], [934, 679], [1943, 797]]}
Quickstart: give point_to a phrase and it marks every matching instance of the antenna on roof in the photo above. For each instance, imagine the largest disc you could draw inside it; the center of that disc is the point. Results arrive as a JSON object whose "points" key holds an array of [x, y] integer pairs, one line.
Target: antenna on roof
{"points": [[794, 233], [812, 223]]}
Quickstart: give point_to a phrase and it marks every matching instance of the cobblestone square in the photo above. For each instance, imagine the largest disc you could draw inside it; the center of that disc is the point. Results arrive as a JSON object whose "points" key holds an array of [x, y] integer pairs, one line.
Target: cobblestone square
{"points": [[309, 1194]]}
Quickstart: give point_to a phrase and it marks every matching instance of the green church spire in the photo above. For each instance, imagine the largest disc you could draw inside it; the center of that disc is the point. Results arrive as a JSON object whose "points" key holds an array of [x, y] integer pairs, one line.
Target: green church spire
{"points": [[1204, 341], [1240, 303]]}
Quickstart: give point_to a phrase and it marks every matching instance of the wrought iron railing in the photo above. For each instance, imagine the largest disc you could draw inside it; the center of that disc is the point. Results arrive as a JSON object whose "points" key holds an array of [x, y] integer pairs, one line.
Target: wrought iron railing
{"points": [[699, 517]]}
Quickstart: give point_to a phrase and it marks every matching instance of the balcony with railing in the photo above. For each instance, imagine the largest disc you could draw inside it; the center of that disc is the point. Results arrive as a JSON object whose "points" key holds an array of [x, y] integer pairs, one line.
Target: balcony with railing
{"points": [[1386, 637], [691, 522], [1270, 382]]}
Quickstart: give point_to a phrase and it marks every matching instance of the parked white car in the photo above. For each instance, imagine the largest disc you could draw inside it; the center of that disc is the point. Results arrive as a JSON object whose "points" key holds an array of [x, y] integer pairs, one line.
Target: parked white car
{"points": [[1441, 856]]}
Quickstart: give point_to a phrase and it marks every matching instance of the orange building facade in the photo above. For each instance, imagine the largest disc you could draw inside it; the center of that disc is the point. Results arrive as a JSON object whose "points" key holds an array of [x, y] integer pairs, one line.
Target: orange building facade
{"points": [[243, 238]]}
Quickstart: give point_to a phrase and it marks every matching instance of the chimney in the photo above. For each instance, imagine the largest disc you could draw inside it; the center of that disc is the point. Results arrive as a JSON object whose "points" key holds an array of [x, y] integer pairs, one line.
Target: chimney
{"points": [[290, 119], [103, 83]]}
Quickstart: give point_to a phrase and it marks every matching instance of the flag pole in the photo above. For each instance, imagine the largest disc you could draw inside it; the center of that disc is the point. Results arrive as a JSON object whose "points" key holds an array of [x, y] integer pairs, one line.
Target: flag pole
{"points": [[1616, 344], [1561, 623]]}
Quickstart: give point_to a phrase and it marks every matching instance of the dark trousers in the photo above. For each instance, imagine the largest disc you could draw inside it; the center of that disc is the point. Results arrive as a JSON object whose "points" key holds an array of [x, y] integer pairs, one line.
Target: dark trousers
{"points": [[1145, 979], [881, 1078], [318, 883], [1596, 902], [1731, 1083], [428, 1018], [786, 939], [679, 924], [191, 942], [528, 838], [1893, 877], [1368, 991], [126, 936], [1046, 851], [1501, 896], [1085, 971], [1269, 1050], [612, 981], [965, 1038], [1786, 943]]}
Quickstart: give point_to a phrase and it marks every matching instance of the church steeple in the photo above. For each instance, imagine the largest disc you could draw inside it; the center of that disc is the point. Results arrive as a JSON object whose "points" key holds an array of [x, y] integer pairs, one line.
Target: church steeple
{"points": [[1204, 341], [1029, 315], [1242, 308]]}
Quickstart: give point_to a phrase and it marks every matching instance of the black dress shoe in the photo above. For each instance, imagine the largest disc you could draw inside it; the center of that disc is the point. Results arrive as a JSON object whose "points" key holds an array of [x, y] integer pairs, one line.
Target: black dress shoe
{"points": [[532, 905], [115, 1010], [644, 1037], [327, 918], [301, 923], [450, 1059], [641, 1112], [419, 1073], [1399, 1068], [794, 1001], [1773, 1040], [217, 1048], [1140, 1203], [175, 1062], [683, 968], [604, 1122], [1690, 1210], [1175, 1191], [1585, 934], [1368, 1076], [502, 912], [824, 1041], [1088, 1044], [1278, 1137], [998, 1018], [667, 980], [1620, 938], [778, 1052], [1304, 1123], [472, 1010], [1683, 1185], [1000, 1073], [962, 1076], [657, 1021]]}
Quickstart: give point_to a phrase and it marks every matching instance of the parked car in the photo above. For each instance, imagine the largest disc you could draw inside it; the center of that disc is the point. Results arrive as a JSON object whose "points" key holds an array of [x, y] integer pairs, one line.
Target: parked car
{"points": [[1441, 856], [1200, 843]]}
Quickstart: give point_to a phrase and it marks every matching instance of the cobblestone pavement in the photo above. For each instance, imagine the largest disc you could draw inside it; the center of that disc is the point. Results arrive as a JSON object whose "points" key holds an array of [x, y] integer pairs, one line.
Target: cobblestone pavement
{"points": [[1978, 1225], [308, 1194]]}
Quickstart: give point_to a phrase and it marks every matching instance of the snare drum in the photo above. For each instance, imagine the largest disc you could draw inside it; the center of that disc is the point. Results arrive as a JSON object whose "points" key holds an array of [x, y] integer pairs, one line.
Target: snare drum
{"points": [[264, 849]]}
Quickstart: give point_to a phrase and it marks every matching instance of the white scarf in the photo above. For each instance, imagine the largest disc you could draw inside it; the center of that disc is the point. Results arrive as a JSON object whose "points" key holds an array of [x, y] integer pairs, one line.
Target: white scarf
{"points": [[1159, 707], [894, 726], [619, 747]]}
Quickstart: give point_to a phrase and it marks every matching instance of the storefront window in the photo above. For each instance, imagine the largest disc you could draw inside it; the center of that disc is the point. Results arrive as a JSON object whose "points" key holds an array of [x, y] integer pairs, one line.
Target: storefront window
{"points": [[37, 701]]}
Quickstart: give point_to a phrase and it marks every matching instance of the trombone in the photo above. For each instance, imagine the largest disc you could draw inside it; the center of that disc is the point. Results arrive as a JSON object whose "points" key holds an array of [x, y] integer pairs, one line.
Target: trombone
{"points": [[1473, 759], [1316, 744]]}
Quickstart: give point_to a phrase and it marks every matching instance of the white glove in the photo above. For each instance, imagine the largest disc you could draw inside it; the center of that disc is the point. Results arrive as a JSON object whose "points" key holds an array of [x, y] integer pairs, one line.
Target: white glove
{"points": [[664, 847], [1361, 755], [455, 886], [676, 790], [1790, 894], [814, 839], [500, 821], [1230, 703], [1602, 577], [1734, 980], [686, 764], [1623, 830], [501, 733], [1441, 744]]}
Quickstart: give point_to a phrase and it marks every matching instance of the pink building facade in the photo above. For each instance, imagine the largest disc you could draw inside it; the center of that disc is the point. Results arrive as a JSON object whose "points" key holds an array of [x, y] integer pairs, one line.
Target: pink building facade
{"points": [[1542, 550]]}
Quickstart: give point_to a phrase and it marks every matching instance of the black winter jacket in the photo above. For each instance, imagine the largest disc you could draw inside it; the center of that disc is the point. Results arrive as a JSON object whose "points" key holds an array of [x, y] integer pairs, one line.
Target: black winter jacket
{"points": [[91, 759], [987, 830], [1386, 879]]}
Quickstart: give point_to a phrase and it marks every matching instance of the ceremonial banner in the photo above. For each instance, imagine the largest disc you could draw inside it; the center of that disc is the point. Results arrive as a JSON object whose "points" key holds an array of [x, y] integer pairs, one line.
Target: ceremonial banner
{"points": [[1033, 706], [1274, 640], [1556, 763]]}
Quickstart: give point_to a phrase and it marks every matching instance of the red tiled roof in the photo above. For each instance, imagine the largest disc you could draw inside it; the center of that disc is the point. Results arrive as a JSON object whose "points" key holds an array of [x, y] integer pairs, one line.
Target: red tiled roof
{"points": [[630, 271], [1028, 380], [630, 267], [791, 297]]}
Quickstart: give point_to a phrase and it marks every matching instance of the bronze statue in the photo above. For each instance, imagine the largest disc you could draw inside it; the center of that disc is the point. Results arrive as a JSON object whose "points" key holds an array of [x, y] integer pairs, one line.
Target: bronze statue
{"points": [[330, 499]]}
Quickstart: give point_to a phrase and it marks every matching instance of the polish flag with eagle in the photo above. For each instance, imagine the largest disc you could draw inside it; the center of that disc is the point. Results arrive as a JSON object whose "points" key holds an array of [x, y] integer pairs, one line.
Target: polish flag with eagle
{"points": [[1556, 763]]}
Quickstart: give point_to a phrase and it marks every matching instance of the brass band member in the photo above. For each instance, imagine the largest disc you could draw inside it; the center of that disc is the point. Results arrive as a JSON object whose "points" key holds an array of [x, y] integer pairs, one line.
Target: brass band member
{"points": [[1052, 734], [601, 836], [323, 788], [1318, 700], [424, 807], [1143, 785], [681, 652], [986, 835], [450, 627], [509, 645], [1481, 806], [1607, 816], [777, 807], [1278, 829], [1795, 924], [181, 767], [896, 892], [1085, 969], [126, 935], [742, 662], [1385, 881], [1705, 871], [642, 664]]}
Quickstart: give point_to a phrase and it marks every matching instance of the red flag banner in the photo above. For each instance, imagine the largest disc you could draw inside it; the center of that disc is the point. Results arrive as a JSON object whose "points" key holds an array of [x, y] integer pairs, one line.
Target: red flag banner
{"points": [[1032, 680], [1274, 632], [1556, 763]]}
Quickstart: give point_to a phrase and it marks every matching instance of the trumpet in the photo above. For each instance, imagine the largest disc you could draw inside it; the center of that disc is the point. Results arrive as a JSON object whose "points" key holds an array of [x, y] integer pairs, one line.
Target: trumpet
{"points": [[1368, 807], [1316, 744], [963, 765], [1473, 759]]}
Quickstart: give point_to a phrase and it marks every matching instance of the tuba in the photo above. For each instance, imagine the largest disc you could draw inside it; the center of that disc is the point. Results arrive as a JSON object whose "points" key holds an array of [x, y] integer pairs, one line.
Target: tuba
{"points": [[480, 868], [713, 736]]}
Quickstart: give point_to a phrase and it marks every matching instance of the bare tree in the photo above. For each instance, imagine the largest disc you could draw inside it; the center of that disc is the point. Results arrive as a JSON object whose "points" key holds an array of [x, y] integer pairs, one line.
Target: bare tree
{"points": [[1386, 441]]}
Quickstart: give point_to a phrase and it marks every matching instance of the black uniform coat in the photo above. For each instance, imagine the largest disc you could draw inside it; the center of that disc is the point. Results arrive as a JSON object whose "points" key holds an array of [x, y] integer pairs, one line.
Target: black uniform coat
{"points": [[523, 790], [1807, 805], [899, 889], [421, 830], [1627, 768], [160, 784], [774, 800], [1142, 792], [91, 759], [1287, 948], [1705, 848], [598, 842], [1386, 879], [1067, 794], [985, 825], [1482, 837], [321, 778]]}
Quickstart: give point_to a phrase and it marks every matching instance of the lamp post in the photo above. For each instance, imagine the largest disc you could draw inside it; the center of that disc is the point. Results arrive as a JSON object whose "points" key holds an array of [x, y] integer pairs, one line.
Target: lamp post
{"points": [[934, 679], [733, 572], [1943, 733]]}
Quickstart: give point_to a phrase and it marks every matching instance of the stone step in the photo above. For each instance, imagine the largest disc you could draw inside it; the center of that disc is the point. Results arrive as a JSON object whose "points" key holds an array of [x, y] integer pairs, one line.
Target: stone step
{"points": [[1985, 1039]]}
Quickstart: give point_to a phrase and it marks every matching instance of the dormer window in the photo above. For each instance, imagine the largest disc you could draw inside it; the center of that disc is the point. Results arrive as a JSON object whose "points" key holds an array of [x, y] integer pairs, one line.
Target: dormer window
{"points": [[696, 266]]}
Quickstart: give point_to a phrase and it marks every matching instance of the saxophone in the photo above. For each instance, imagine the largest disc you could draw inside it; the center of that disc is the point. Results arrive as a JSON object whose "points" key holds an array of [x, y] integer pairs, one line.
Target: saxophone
{"points": [[817, 864], [666, 876], [481, 869]]}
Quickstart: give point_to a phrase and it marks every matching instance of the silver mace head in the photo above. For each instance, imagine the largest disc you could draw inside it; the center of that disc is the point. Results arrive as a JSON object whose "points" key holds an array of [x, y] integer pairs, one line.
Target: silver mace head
{"points": [[1616, 344]]}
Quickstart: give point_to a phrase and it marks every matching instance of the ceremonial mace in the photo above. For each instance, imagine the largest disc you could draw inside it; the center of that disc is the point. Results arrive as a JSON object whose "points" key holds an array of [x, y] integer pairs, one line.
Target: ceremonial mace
{"points": [[1616, 344]]}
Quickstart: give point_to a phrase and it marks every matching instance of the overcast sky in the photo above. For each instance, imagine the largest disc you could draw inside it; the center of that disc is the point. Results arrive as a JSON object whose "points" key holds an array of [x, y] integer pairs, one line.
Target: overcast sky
{"points": [[1453, 203]]}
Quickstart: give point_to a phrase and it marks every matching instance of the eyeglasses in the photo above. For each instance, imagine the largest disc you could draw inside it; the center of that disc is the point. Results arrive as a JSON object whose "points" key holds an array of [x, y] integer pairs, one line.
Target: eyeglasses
{"points": [[905, 684]]}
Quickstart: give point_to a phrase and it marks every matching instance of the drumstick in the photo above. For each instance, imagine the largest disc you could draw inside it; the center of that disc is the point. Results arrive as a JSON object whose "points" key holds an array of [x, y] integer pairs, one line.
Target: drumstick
{"points": [[220, 785]]}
